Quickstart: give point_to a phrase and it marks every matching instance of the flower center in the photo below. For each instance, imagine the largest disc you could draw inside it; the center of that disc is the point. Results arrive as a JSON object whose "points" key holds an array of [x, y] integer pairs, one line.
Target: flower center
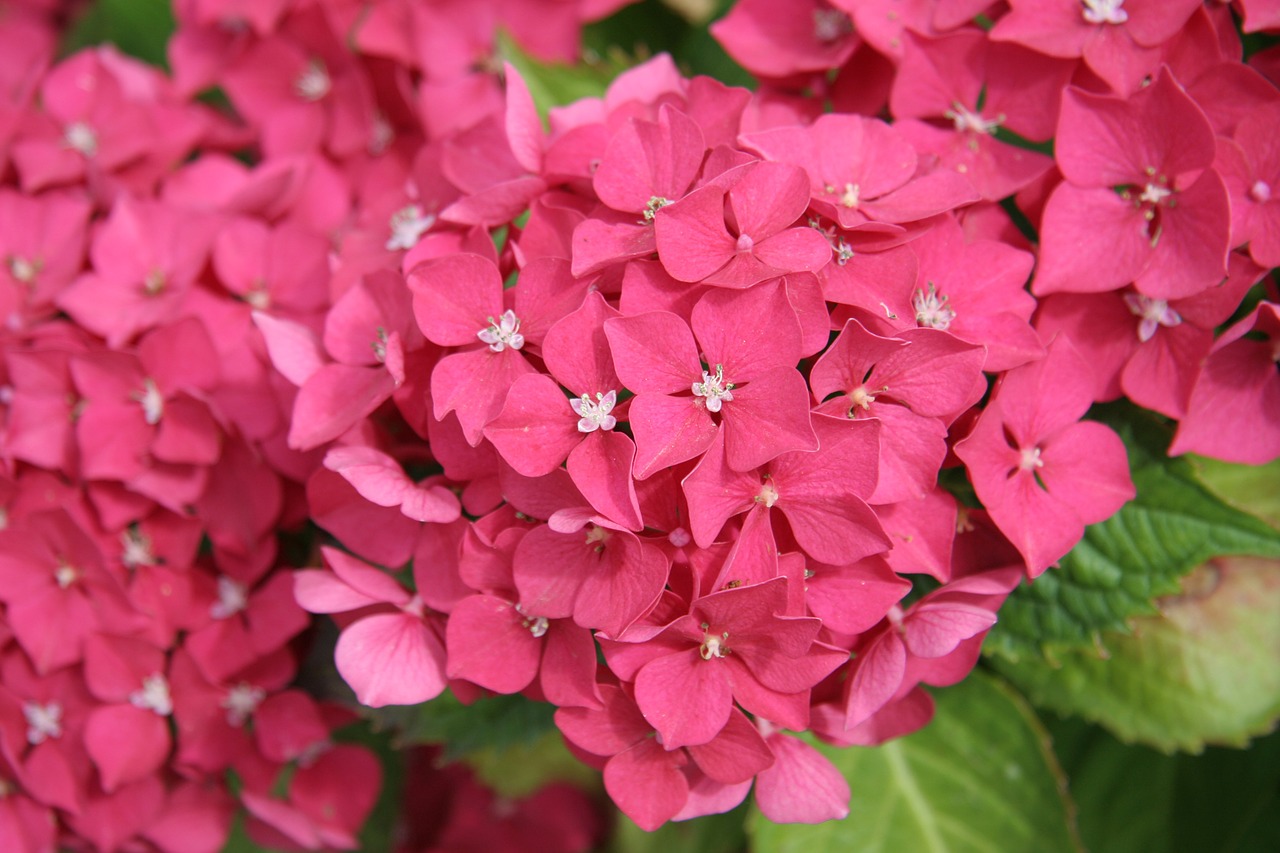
{"points": [[1153, 313], [1259, 192], [137, 549], [22, 269], [233, 597], [861, 398], [153, 696], [655, 204], [595, 415], [537, 625], [408, 224], [65, 576], [966, 120], [152, 401], [849, 198], [154, 282], [43, 721], [503, 332], [713, 646], [830, 25], [745, 243], [313, 83], [679, 537], [1104, 11], [258, 297], [714, 389], [80, 137], [1154, 194], [768, 493], [241, 701], [932, 310], [598, 537], [1030, 459]]}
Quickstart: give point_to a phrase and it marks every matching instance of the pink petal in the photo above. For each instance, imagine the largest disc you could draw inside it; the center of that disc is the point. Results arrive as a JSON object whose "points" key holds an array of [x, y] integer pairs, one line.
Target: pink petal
{"points": [[391, 659]]}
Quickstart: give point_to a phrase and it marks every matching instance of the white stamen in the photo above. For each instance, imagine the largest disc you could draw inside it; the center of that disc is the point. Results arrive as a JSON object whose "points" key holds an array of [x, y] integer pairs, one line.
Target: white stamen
{"points": [[861, 398], [768, 494], [80, 137], [966, 120], [850, 196], [153, 696], [714, 388], [713, 646], [1154, 313], [595, 415], [932, 310], [65, 576], [24, 270], [152, 402], [1030, 459], [503, 332], [1104, 11], [154, 282], [258, 297], [381, 136], [43, 721], [313, 83], [241, 701], [137, 549], [830, 24], [1259, 192], [408, 224], [1154, 194], [655, 204], [233, 597]]}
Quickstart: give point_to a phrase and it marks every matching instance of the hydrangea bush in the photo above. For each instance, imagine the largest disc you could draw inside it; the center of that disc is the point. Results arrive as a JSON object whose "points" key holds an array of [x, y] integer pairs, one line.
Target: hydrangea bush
{"points": [[378, 374]]}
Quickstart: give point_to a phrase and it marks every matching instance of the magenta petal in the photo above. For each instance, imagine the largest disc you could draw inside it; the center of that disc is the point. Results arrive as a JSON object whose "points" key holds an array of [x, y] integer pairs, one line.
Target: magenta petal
{"points": [[670, 430], [646, 784], [453, 297], [1192, 244], [126, 743], [320, 591], [569, 665], [600, 466], [621, 590], [691, 235], [334, 398], [736, 754], [716, 493], [536, 428], [768, 416], [474, 384], [1092, 240], [1086, 466], [686, 699], [654, 352], [802, 786], [391, 659], [876, 677], [935, 628], [490, 643]]}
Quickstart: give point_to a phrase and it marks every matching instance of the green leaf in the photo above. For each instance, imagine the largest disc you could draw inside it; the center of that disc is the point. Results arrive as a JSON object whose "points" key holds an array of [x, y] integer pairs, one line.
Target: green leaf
{"points": [[496, 722], [554, 85], [1134, 798], [722, 833], [1123, 564], [140, 28], [1251, 488], [1204, 671], [981, 777], [521, 769]]}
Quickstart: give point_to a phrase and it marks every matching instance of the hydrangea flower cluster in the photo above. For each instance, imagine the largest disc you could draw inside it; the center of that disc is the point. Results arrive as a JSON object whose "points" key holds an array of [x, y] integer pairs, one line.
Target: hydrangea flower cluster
{"points": [[640, 412]]}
